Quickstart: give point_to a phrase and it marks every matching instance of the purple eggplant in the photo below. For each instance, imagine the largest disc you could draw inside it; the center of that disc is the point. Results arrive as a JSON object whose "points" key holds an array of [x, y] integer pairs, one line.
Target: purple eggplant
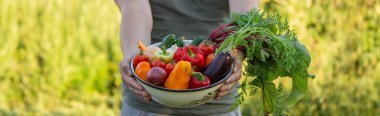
{"points": [[219, 67]]}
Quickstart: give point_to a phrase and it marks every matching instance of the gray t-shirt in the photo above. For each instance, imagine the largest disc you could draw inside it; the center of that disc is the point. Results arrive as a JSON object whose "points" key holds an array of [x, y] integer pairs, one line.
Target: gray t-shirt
{"points": [[188, 18]]}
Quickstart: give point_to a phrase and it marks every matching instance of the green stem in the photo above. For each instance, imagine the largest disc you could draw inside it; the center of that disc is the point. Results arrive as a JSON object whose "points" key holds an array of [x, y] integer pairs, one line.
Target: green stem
{"points": [[198, 75], [263, 92], [163, 50], [244, 32], [269, 33], [190, 52]]}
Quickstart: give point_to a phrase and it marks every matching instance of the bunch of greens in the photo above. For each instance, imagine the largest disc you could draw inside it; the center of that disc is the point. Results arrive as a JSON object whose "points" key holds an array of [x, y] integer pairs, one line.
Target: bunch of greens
{"points": [[272, 51]]}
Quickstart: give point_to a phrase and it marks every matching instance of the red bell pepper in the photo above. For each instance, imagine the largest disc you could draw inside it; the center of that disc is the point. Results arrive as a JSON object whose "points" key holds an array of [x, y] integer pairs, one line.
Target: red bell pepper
{"points": [[206, 48], [192, 54], [195, 49], [198, 80]]}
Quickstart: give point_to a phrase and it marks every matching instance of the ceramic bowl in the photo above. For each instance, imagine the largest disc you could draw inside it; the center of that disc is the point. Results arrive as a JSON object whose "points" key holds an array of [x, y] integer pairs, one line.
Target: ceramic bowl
{"points": [[181, 98]]}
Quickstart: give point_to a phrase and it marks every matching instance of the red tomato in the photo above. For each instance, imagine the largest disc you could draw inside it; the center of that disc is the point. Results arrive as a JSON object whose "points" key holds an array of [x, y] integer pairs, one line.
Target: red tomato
{"points": [[158, 63], [139, 58], [169, 68]]}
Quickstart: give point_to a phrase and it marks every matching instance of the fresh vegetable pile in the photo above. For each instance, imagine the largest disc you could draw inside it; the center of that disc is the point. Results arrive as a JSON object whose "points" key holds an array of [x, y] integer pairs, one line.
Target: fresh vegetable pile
{"points": [[272, 50], [175, 65]]}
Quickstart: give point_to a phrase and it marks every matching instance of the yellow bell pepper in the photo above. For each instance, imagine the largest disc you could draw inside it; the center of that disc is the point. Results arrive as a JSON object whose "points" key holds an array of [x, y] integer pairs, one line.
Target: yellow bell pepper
{"points": [[180, 76]]}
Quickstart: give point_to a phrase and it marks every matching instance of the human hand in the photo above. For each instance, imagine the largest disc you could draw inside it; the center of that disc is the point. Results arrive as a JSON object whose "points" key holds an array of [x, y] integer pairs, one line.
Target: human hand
{"points": [[131, 83], [235, 76]]}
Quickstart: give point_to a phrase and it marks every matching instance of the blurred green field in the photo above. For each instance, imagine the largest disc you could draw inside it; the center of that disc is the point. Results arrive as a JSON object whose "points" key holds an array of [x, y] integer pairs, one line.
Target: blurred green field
{"points": [[61, 57]]}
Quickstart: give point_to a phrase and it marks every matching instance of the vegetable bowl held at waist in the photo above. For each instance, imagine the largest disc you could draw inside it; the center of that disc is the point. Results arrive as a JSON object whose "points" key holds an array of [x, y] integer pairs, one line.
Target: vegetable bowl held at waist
{"points": [[181, 73]]}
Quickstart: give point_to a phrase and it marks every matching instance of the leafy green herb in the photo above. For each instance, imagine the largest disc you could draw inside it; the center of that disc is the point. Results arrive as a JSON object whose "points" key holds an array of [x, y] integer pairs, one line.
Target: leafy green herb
{"points": [[272, 51]]}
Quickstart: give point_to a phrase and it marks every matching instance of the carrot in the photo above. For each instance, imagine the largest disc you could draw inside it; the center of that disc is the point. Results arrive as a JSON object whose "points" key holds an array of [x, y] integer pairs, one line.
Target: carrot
{"points": [[141, 46], [209, 58]]}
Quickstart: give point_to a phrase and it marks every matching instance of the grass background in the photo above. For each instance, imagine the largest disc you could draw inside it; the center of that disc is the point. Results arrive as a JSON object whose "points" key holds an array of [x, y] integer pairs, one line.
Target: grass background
{"points": [[61, 57]]}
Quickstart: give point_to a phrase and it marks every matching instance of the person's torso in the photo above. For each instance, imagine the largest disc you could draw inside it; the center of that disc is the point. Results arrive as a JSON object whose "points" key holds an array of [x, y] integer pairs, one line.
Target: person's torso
{"points": [[190, 18]]}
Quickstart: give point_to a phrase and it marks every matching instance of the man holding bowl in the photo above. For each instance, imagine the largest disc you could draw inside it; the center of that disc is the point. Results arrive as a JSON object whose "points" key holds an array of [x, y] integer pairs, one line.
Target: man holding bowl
{"points": [[148, 21]]}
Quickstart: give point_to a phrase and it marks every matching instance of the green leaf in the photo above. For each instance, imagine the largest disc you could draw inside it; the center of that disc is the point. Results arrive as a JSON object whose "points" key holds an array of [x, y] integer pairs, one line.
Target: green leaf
{"points": [[260, 55], [299, 90]]}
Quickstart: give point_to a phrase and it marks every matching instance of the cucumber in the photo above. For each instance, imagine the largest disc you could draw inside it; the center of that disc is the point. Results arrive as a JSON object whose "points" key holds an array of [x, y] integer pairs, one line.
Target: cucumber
{"points": [[179, 41], [196, 41], [168, 41]]}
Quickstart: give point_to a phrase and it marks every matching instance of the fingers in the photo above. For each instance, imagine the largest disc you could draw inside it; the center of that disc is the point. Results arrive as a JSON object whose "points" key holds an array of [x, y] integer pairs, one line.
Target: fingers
{"points": [[142, 94], [127, 76], [237, 65], [136, 88], [236, 72], [234, 77], [145, 95], [220, 95], [131, 83], [124, 66], [224, 90], [237, 61], [226, 87]]}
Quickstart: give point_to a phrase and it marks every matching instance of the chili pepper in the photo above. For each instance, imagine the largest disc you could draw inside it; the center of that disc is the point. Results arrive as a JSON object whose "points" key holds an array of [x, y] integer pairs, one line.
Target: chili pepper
{"points": [[169, 68], [142, 70], [206, 48], [158, 63], [192, 54], [180, 76], [198, 80]]}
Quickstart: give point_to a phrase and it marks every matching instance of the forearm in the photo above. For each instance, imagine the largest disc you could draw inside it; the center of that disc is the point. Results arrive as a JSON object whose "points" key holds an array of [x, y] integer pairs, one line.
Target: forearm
{"points": [[242, 6], [136, 24]]}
